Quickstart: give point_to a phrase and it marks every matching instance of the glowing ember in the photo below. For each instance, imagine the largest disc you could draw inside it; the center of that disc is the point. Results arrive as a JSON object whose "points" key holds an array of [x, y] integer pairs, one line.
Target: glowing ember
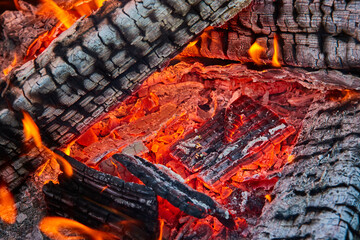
{"points": [[31, 131], [8, 210], [275, 60], [56, 228], [7, 70]]}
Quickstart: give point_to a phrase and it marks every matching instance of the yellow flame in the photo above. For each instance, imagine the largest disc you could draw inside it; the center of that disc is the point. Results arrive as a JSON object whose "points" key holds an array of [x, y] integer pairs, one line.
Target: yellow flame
{"points": [[275, 60], [99, 3], [8, 210], [255, 52], [7, 70], [53, 227], [268, 197], [31, 131], [63, 16]]}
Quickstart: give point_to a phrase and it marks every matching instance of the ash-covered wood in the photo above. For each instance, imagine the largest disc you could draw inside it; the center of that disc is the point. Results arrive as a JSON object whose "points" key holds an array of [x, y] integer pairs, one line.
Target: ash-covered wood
{"points": [[313, 34], [97, 199], [170, 186], [318, 195], [242, 135], [97, 63]]}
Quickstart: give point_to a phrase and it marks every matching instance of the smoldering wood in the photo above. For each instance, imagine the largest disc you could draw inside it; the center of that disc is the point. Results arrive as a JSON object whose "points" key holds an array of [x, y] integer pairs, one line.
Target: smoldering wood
{"points": [[237, 137], [172, 188], [318, 195], [315, 35], [97, 199], [95, 64]]}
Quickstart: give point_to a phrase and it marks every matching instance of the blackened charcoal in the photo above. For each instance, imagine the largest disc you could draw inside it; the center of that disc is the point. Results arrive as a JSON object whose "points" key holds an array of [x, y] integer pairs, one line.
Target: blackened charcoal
{"points": [[96, 199], [172, 188]]}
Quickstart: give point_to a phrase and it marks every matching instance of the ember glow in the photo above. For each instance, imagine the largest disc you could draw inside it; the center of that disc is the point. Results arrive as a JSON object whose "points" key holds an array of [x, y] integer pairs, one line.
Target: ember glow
{"points": [[255, 53], [31, 131], [275, 60], [7, 70], [57, 227], [8, 210]]}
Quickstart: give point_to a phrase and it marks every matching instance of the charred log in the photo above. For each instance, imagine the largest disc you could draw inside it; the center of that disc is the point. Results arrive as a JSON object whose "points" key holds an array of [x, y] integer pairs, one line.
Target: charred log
{"points": [[318, 195], [312, 34], [242, 135], [174, 190], [97, 63], [97, 199]]}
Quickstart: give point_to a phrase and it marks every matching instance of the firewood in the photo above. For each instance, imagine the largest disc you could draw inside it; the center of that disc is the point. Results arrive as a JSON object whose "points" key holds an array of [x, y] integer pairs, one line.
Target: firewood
{"points": [[97, 199], [171, 187], [318, 195], [312, 34], [98, 62]]}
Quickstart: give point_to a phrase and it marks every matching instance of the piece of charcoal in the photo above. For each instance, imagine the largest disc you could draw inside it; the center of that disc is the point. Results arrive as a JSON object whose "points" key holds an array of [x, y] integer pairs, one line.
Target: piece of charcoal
{"points": [[97, 199], [170, 186], [242, 134]]}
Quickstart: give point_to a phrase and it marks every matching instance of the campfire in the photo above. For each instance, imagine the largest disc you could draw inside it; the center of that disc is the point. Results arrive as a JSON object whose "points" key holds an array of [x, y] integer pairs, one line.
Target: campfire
{"points": [[167, 119]]}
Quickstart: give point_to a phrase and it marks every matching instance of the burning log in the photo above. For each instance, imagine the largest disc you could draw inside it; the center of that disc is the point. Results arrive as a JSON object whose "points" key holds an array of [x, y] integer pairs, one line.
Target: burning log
{"points": [[242, 135], [94, 65], [171, 187], [311, 34], [97, 199], [317, 197]]}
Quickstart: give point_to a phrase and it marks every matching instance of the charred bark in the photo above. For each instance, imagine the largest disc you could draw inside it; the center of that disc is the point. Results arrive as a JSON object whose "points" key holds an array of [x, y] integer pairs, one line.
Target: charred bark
{"points": [[313, 34], [94, 65], [97, 199], [318, 195], [172, 188]]}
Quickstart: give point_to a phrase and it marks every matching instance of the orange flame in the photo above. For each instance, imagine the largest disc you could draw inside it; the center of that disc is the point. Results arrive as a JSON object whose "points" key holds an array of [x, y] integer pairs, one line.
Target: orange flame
{"points": [[63, 16], [255, 52], [31, 131], [99, 3], [161, 229], [53, 227], [8, 210], [7, 70], [268, 197], [275, 60]]}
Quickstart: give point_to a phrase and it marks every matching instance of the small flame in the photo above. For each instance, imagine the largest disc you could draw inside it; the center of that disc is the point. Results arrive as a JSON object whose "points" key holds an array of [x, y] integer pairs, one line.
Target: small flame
{"points": [[7, 70], [67, 150], [161, 229], [8, 210], [275, 60], [255, 52], [31, 131], [63, 16], [53, 227], [268, 197], [99, 3], [291, 158]]}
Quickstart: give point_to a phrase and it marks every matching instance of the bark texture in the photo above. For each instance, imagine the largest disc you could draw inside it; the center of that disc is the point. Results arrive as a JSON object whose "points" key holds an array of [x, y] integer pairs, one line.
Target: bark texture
{"points": [[97, 199], [318, 195], [313, 34], [94, 65]]}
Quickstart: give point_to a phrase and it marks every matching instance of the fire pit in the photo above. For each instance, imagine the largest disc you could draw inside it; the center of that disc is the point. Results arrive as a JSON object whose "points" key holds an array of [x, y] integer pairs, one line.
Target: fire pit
{"points": [[180, 120]]}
